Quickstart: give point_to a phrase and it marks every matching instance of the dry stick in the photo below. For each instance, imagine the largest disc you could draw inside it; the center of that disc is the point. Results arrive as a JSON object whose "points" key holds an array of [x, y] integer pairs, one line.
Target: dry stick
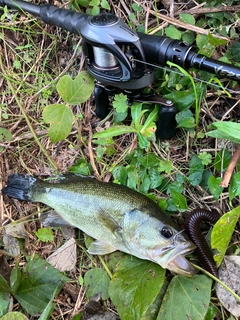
{"points": [[184, 25], [210, 10], [91, 156], [230, 168]]}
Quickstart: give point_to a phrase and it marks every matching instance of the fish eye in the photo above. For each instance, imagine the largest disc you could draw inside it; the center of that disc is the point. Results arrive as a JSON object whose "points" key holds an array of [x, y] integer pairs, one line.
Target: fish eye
{"points": [[166, 232]]}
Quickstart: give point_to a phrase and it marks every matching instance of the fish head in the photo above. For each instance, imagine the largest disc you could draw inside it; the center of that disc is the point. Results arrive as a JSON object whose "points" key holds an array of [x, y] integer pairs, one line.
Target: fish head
{"points": [[158, 239]]}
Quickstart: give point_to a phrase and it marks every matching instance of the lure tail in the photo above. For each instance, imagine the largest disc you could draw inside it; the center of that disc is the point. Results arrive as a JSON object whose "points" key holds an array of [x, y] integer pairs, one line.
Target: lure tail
{"points": [[20, 187]]}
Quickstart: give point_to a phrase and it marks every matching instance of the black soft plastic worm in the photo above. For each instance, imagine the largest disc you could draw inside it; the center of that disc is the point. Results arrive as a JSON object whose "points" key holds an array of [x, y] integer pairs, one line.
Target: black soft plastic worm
{"points": [[192, 227]]}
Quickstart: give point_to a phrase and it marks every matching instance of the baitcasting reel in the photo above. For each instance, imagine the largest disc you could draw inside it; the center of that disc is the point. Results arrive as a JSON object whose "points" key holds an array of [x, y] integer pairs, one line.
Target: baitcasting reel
{"points": [[116, 57]]}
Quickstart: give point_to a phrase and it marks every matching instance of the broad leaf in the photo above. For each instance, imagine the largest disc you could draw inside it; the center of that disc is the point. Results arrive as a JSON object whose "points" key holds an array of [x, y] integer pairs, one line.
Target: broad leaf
{"points": [[188, 18], [226, 130], [234, 187], [4, 287], [5, 134], [96, 282], [76, 91], [14, 316], [222, 233], [214, 187], [60, 118], [4, 302], [135, 287], [39, 282], [186, 298]]}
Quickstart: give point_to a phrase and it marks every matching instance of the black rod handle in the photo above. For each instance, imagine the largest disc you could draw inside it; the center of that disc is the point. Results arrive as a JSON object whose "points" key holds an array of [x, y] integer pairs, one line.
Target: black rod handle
{"points": [[69, 20]]}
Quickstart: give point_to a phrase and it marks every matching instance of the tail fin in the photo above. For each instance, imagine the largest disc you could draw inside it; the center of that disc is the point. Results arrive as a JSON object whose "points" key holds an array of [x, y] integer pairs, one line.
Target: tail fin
{"points": [[19, 186]]}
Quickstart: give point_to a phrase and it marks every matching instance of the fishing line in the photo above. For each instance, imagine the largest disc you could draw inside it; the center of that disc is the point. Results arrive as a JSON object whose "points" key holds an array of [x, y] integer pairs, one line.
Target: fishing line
{"points": [[181, 74]]}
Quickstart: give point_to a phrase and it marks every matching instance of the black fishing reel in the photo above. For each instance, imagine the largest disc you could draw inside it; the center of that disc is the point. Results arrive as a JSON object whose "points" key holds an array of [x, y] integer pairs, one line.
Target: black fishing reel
{"points": [[117, 57]]}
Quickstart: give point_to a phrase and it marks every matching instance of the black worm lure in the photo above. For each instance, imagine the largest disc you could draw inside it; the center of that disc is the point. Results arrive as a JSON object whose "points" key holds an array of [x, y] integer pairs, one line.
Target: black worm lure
{"points": [[192, 227]]}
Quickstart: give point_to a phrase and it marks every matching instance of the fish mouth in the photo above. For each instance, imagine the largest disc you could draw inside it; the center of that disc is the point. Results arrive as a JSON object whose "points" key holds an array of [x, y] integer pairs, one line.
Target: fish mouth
{"points": [[173, 259], [177, 262]]}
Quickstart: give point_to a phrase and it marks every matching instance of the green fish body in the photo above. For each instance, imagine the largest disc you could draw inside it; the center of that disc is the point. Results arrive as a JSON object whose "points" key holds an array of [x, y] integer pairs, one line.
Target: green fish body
{"points": [[118, 217]]}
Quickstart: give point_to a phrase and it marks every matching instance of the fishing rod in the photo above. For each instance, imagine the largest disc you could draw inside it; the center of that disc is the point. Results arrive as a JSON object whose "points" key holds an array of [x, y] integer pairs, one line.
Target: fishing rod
{"points": [[120, 59]]}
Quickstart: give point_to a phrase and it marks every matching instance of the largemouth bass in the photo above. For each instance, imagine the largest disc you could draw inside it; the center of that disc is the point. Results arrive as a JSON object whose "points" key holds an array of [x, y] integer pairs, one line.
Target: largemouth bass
{"points": [[118, 217]]}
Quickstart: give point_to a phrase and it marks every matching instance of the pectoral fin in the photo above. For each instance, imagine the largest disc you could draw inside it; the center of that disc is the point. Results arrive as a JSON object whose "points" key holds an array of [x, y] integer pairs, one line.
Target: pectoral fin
{"points": [[109, 222], [100, 248]]}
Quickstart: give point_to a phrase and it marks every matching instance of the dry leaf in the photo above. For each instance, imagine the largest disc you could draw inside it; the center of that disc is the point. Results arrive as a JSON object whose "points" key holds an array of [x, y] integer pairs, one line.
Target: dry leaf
{"points": [[16, 230], [229, 273], [65, 257]]}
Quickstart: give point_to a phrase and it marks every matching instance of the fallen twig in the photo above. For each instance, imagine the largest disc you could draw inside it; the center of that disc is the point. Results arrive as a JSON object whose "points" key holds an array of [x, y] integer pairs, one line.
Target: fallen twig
{"points": [[228, 174]]}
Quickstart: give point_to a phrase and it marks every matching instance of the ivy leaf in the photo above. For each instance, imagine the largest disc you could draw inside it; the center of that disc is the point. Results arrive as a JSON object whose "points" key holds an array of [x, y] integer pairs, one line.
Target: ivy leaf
{"points": [[222, 233], [76, 91], [60, 118], [120, 103]]}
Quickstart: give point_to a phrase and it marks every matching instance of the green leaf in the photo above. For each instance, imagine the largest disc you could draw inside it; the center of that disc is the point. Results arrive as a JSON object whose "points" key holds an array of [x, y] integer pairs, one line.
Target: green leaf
{"points": [[105, 5], [205, 157], [222, 233], [14, 316], [4, 287], [188, 18], [60, 118], [114, 131], [97, 282], [179, 200], [186, 298], [4, 302], [173, 32], [234, 187], [45, 234], [214, 187], [81, 167], [149, 126], [120, 103], [226, 130], [76, 91], [5, 134], [203, 44], [39, 282], [135, 287], [15, 278], [182, 99], [215, 41], [234, 49], [222, 160]]}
